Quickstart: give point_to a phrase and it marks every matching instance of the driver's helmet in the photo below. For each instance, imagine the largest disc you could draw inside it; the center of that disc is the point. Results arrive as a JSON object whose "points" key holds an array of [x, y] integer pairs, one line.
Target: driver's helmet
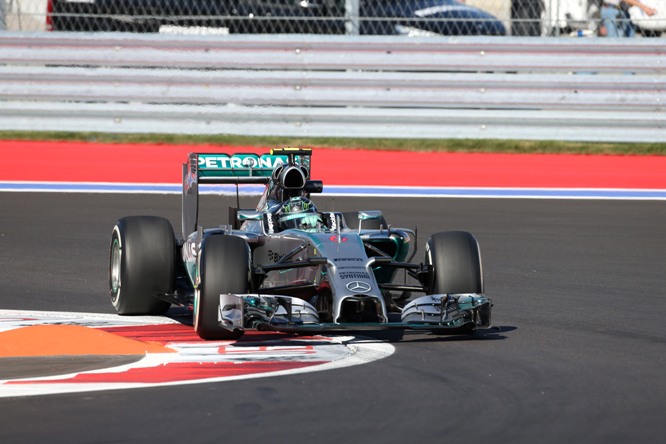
{"points": [[300, 213]]}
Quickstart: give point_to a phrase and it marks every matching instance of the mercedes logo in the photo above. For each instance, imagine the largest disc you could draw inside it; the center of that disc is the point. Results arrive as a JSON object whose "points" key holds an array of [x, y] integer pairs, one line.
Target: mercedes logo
{"points": [[359, 287]]}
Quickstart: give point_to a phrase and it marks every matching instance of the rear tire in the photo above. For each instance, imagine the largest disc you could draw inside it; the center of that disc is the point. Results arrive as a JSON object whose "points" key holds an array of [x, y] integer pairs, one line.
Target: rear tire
{"points": [[456, 263], [141, 265], [224, 267]]}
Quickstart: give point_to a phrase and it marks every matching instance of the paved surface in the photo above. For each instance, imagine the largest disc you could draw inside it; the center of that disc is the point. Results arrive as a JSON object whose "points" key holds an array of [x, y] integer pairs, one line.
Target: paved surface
{"points": [[579, 354], [40, 366]]}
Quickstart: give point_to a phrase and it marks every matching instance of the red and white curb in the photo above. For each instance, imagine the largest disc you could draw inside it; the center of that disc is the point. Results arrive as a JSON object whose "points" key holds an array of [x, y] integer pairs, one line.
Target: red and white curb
{"points": [[173, 354]]}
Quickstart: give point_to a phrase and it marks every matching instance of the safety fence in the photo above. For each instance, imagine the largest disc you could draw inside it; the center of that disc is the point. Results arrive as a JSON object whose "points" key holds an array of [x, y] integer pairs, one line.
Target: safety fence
{"points": [[376, 17], [335, 86]]}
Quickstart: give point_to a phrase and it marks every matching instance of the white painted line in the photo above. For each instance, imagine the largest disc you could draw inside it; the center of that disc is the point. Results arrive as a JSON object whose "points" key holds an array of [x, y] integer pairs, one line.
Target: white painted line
{"points": [[350, 191]]}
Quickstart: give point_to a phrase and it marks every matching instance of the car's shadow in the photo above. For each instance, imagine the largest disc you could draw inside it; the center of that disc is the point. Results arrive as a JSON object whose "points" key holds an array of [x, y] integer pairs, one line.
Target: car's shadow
{"points": [[494, 333], [491, 334]]}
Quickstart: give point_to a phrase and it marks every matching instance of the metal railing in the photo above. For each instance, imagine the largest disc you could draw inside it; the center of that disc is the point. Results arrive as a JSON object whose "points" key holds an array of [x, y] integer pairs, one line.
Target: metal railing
{"points": [[335, 86]]}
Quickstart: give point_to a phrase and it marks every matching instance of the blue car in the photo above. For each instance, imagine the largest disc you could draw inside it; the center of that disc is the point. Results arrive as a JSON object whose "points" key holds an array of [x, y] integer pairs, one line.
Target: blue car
{"points": [[427, 17], [375, 17]]}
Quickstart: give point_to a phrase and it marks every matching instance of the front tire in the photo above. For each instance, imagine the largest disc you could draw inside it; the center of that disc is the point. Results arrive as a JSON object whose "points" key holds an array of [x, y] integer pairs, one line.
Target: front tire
{"points": [[456, 263], [141, 265], [224, 267]]}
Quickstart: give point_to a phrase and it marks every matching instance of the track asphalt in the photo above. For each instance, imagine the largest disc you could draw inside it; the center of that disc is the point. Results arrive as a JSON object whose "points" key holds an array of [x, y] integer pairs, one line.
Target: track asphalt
{"points": [[577, 285], [578, 356]]}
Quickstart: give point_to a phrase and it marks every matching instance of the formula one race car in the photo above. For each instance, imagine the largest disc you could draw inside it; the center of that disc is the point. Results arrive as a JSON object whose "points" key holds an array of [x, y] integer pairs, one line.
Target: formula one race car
{"points": [[287, 266]]}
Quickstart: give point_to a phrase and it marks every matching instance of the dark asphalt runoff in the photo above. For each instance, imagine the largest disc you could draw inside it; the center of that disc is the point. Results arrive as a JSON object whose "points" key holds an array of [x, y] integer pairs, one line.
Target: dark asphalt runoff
{"points": [[578, 356]]}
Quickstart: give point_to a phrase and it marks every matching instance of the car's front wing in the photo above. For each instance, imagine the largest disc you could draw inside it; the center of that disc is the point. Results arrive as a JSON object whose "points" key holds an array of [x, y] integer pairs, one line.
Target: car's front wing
{"points": [[440, 314]]}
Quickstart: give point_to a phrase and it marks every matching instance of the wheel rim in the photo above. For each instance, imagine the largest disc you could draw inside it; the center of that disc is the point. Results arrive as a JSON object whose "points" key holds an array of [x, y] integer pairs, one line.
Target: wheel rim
{"points": [[115, 267], [428, 261]]}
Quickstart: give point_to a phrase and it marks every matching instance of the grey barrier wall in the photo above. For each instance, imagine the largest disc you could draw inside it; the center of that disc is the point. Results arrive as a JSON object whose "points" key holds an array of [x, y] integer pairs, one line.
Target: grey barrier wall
{"points": [[335, 86]]}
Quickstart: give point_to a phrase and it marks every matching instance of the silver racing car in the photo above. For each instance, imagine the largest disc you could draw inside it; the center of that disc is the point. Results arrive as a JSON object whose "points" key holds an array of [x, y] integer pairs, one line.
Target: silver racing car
{"points": [[286, 266]]}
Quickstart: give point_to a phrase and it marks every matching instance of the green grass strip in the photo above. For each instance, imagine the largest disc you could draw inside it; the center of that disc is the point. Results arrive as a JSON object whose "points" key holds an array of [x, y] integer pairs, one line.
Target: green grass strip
{"points": [[444, 145]]}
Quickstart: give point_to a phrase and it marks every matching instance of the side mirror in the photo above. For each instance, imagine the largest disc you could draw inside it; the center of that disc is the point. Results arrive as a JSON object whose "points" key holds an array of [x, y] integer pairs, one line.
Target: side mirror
{"points": [[370, 215], [249, 215], [314, 186]]}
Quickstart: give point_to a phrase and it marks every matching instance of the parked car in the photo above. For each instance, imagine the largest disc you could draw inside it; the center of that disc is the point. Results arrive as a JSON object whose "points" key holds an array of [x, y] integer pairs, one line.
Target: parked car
{"points": [[392, 17]]}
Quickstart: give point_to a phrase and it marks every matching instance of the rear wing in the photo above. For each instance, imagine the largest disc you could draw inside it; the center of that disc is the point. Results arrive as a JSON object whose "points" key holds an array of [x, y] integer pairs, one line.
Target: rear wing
{"points": [[234, 169], [242, 167]]}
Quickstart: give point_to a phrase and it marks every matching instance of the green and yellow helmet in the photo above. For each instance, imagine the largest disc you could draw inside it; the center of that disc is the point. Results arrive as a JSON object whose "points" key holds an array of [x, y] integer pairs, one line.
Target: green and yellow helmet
{"points": [[299, 213]]}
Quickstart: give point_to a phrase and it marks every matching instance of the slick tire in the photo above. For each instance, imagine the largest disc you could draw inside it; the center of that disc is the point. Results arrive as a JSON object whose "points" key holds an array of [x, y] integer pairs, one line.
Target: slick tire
{"points": [[141, 265], [224, 267], [456, 263], [352, 221]]}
